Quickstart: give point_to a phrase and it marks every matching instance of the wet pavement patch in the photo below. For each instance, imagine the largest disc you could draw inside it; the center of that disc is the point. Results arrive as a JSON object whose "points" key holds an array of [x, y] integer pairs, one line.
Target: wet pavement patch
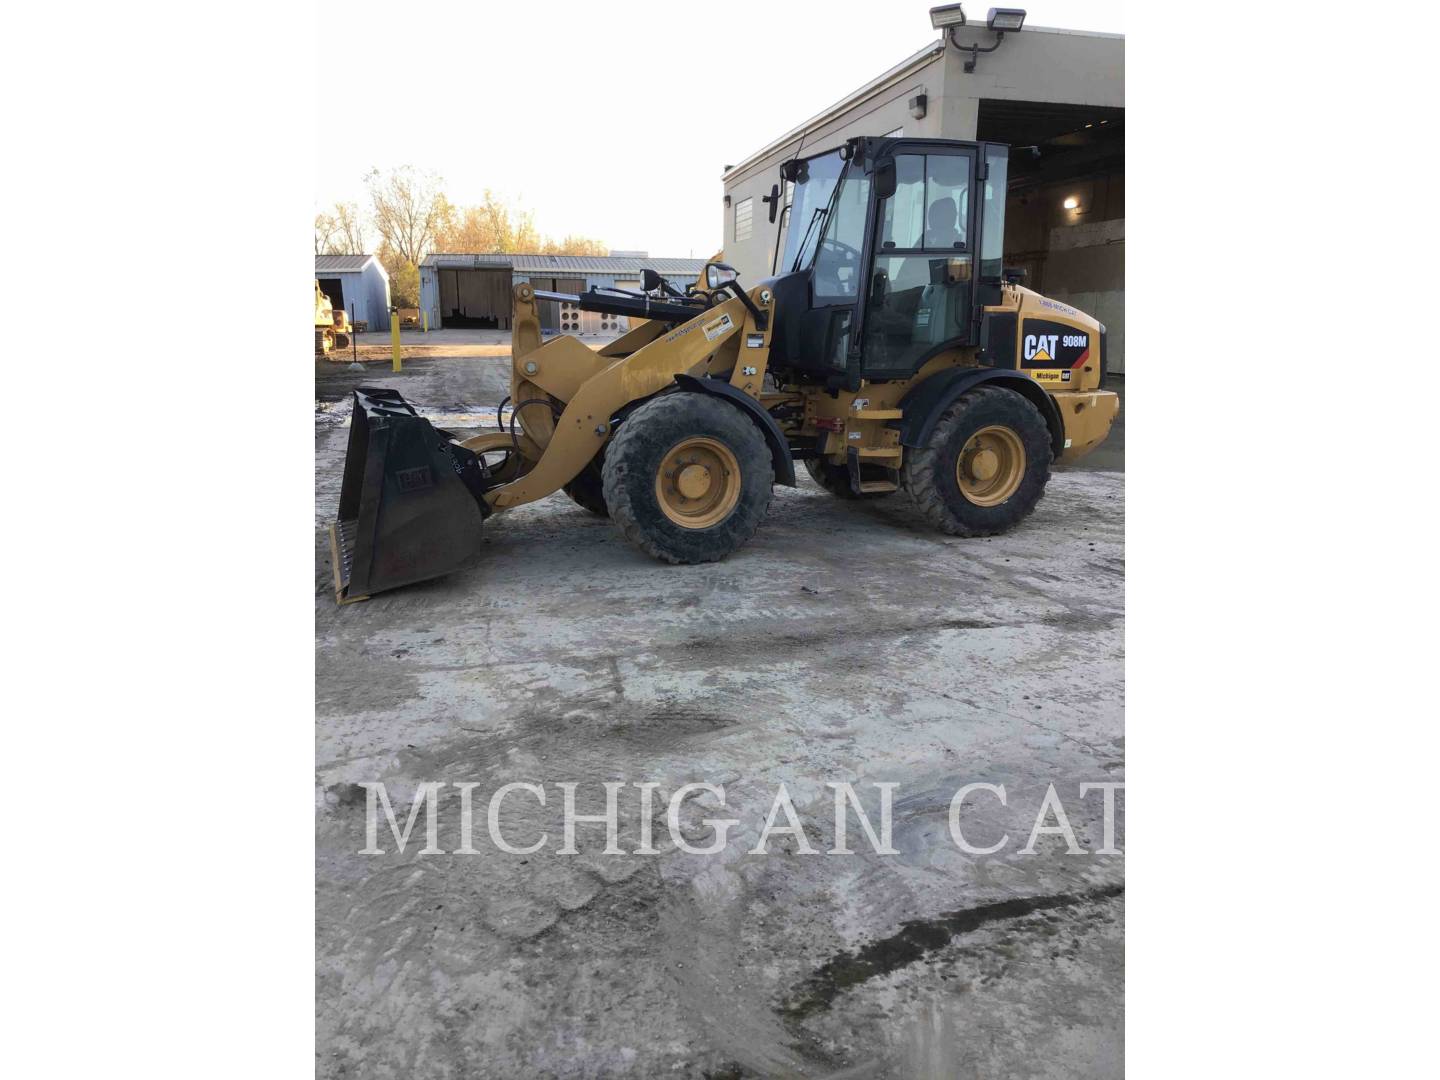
{"points": [[916, 939]]}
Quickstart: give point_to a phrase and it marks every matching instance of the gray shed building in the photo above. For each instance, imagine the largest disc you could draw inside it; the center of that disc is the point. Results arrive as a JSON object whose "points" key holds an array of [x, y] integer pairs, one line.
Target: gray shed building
{"points": [[1061, 91], [474, 290], [359, 284]]}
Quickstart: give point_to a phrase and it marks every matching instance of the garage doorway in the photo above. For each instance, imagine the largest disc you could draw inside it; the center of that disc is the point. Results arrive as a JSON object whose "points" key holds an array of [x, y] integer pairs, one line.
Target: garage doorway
{"points": [[332, 288], [478, 299], [1065, 204]]}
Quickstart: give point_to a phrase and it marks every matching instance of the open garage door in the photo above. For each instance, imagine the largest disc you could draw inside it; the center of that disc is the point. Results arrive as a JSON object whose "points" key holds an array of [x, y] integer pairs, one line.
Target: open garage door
{"points": [[475, 298], [1065, 211]]}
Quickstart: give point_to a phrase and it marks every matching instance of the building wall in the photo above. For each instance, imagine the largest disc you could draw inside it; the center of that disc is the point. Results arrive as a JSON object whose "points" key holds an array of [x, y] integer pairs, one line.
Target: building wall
{"points": [[1085, 268], [1070, 67], [376, 288], [368, 290], [430, 294], [878, 113]]}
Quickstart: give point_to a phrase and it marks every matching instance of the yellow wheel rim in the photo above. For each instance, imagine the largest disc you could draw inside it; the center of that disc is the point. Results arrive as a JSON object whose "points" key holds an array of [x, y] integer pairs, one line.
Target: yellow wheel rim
{"points": [[698, 483], [991, 466]]}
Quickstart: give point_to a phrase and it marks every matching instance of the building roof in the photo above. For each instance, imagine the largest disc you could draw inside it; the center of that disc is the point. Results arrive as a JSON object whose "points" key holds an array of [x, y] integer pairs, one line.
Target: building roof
{"points": [[559, 264], [340, 263]]}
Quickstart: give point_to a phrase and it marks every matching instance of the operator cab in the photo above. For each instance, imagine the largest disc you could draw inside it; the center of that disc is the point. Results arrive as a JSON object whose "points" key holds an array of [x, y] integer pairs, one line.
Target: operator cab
{"points": [[887, 253]]}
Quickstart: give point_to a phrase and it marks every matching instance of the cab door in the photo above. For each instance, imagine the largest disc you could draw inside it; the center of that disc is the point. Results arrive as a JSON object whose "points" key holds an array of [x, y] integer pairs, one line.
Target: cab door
{"points": [[920, 293], [837, 278]]}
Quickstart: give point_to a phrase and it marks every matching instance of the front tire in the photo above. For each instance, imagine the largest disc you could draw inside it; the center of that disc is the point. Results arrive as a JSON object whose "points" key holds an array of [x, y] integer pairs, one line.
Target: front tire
{"points": [[985, 466], [688, 478], [588, 490]]}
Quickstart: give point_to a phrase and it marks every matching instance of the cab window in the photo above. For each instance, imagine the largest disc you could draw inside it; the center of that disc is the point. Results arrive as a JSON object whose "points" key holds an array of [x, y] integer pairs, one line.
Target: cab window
{"points": [[837, 263]]}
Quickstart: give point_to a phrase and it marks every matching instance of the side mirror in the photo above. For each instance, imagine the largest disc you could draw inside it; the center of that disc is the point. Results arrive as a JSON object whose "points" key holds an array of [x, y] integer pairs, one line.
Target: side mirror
{"points": [[885, 179], [774, 200], [649, 280], [717, 274]]}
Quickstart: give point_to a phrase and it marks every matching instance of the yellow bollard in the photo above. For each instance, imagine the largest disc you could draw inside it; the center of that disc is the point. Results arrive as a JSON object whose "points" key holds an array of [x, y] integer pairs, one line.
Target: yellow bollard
{"points": [[425, 321], [394, 340]]}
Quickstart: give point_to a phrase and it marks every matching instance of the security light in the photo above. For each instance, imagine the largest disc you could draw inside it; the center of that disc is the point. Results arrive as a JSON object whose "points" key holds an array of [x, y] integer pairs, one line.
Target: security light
{"points": [[1071, 202], [1004, 18], [947, 15], [1000, 20]]}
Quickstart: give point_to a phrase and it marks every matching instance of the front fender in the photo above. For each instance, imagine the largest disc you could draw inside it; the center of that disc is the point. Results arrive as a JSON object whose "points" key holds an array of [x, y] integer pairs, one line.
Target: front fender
{"points": [[774, 437]]}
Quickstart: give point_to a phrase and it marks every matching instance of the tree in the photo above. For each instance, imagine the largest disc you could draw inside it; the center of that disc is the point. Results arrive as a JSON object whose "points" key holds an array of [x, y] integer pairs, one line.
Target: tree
{"points": [[351, 228], [325, 229], [340, 232], [408, 210], [573, 245], [404, 281], [414, 218]]}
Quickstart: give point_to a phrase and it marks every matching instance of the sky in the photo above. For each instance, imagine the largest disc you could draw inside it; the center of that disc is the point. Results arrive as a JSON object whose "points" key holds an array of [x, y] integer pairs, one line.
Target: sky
{"points": [[608, 120]]}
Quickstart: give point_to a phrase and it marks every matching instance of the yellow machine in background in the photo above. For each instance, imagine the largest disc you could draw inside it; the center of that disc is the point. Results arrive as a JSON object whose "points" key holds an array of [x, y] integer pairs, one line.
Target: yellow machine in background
{"points": [[332, 325], [892, 351]]}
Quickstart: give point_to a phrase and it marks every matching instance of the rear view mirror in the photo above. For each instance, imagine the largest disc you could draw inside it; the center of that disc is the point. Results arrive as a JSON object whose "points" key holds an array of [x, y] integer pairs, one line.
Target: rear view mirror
{"points": [[774, 200], [649, 280], [885, 179]]}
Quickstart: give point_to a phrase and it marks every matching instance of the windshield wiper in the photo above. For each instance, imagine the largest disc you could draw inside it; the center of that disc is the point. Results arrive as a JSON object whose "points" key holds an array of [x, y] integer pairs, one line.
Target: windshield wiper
{"points": [[818, 216]]}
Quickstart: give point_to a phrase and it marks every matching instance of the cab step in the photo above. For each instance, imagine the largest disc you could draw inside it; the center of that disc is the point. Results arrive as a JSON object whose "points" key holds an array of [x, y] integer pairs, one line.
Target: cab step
{"points": [[864, 480]]}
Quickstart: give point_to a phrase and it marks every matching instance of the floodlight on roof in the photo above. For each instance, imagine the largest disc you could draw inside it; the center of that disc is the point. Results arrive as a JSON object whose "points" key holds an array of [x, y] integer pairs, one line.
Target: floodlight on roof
{"points": [[1004, 18], [999, 21], [947, 15]]}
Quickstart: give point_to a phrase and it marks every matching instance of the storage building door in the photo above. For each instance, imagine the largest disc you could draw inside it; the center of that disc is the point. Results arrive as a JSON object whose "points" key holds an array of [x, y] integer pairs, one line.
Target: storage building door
{"points": [[550, 309]]}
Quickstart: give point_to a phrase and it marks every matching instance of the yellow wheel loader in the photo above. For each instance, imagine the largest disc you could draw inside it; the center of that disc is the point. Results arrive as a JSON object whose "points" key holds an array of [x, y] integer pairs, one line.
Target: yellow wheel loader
{"points": [[332, 325], [891, 350]]}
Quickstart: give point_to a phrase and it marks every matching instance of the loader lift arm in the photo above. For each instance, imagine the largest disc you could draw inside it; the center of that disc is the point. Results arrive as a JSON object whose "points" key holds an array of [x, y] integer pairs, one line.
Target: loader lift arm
{"points": [[639, 307]]}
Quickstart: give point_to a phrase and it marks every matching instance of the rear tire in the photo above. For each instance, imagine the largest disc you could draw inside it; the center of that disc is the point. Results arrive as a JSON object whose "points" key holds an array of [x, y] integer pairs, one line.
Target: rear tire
{"points": [[985, 466], [688, 478], [836, 480], [588, 490]]}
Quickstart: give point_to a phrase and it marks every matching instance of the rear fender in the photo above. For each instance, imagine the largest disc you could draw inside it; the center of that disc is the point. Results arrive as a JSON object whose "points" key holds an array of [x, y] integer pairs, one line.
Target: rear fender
{"points": [[925, 403]]}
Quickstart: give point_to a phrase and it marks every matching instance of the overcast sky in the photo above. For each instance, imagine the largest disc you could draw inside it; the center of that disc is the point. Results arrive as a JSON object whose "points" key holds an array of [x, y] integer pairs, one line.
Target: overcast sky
{"points": [[610, 120]]}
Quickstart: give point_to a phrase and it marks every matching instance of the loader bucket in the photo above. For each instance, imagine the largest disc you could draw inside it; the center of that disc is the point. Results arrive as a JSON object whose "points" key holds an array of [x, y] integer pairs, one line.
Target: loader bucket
{"points": [[410, 501]]}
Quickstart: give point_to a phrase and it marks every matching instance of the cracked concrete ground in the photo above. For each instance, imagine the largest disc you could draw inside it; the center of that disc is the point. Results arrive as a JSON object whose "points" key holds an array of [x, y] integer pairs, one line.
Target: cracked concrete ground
{"points": [[846, 642]]}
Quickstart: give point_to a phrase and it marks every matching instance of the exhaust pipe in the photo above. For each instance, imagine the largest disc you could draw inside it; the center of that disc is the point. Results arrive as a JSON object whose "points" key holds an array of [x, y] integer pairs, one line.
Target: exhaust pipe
{"points": [[411, 501]]}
